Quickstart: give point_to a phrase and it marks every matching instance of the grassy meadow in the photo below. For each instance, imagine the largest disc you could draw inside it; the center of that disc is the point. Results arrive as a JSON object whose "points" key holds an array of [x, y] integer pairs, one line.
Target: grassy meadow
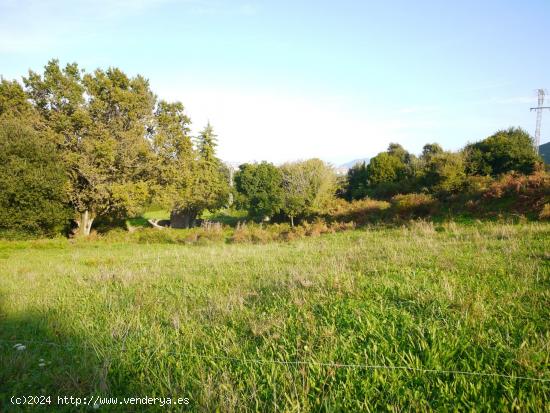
{"points": [[284, 326]]}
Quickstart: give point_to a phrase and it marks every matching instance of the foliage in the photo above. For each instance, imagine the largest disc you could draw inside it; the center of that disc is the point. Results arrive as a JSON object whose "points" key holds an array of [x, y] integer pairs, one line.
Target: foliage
{"points": [[515, 193], [32, 181], [100, 120], [309, 186], [357, 182], [188, 179], [173, 149], [259, 189], [414, 205], [514, 183], [121, 149], [387, 174], [505, 151], [544, 152], [210, 184], [14, 103], [431, 149], [385, 168], [396, 171], [359, 211], [443, 172]]}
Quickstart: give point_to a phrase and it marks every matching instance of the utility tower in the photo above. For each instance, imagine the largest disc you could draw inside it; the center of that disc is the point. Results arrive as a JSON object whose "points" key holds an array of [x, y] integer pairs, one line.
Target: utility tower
{"points": [[539, 110]]}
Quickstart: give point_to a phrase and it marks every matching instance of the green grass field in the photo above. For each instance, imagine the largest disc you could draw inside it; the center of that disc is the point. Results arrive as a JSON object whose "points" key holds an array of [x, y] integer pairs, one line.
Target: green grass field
{"points": [[282, 326]]}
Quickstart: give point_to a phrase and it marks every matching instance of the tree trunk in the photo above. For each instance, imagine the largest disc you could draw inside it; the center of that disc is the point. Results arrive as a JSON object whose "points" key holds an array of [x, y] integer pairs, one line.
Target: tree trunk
{"points": [[182, 219], [292, 221], [84, 223]]}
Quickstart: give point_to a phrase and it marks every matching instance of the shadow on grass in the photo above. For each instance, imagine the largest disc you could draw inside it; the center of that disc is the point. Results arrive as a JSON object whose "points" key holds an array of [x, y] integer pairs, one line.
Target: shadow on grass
{"points": [[41, 355], [39, 358]]}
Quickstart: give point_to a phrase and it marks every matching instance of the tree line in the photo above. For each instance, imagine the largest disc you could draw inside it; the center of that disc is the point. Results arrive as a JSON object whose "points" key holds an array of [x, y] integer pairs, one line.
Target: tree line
{"points": [[436, 171], [79, 147], [307, 188]]}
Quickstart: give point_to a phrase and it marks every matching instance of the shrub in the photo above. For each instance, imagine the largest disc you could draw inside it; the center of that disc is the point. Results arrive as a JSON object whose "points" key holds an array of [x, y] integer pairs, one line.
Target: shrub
{"points": [[209, 231], [293, 233], [475, 184], [414, 205], [545, 212], [514, 183], [156, 236], [420, 227], [253, 233], [342, 226], [316, 228], [361, 212]]}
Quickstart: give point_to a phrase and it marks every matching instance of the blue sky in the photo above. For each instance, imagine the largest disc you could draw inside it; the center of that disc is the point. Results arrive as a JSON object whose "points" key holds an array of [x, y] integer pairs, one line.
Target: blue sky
{"points": [[283, 80]]}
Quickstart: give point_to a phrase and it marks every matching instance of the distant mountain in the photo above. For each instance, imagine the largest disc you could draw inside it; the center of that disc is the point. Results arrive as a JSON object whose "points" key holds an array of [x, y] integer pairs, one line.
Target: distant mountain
{"points": [[544, 151], [351, 164]]}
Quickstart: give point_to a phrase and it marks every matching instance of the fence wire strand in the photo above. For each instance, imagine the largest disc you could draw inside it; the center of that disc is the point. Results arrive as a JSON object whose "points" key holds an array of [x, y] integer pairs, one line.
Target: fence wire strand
{"points": [[321, 364]]}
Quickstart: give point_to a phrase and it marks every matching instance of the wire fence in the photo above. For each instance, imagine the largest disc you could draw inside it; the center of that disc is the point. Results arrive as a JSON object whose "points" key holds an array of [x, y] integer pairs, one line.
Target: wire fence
{"points": [[331, 364]]}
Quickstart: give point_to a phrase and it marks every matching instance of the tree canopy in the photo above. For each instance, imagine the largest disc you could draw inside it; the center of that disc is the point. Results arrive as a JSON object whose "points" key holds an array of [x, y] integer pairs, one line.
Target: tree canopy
{"points": [[259, 189], [208, 185], [101, 145], [507, 150], [32, 181], [309, 186], [100, 121]]}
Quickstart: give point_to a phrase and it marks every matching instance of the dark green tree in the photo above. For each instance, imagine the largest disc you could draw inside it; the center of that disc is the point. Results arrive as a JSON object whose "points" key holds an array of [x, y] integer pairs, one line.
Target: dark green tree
{"points": [[100, 122], [505, 151], [259, 189], [429, 150], [357, 182], [395, 149], [385, 168], [32, 181], [442, 171], [208, 185]]}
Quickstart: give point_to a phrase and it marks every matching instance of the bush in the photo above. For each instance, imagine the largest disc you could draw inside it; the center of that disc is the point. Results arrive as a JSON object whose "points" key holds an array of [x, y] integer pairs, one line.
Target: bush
{"points": [[414, 205], [342, 226], [258, 234], [156, 236], [513, 183], [252, 233], [361, 212], [475, 184], [545, 212], [208, 232], [293, 233], [316, 228]]}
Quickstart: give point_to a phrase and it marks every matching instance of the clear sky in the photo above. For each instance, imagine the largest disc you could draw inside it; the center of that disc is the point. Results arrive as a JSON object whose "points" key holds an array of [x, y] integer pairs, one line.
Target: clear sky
{"points": [[282, 80]]}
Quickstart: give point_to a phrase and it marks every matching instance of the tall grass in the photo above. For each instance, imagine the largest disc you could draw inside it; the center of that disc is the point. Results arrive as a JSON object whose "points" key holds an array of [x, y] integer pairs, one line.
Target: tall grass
{"points": [[218, 322]]}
